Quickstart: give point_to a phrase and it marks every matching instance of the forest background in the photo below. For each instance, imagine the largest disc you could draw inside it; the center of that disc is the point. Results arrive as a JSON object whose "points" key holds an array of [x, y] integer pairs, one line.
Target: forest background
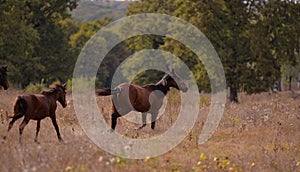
{"points": [[257, 41]]}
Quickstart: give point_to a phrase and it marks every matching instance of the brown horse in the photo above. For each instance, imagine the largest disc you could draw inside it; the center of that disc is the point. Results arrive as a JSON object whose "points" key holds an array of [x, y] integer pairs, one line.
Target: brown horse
{"points": [[3, 77], [144, 99], [37, 107]]}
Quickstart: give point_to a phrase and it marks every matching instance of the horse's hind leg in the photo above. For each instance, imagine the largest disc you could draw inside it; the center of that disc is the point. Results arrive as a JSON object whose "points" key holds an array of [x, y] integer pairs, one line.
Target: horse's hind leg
{"points": [[11, 123], [22, 126], [53, 119], [153, 119], [38, 125], [114, 118], [144, 115]]}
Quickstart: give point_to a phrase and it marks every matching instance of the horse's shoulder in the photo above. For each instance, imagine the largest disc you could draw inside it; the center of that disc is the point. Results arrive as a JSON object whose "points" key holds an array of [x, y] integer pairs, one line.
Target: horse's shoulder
{"points": [[39, 96]]}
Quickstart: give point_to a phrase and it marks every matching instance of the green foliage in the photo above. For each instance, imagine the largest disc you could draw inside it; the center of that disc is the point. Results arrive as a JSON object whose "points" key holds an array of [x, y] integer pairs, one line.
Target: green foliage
{"points": [[202, 78], [257, 41], [34, 88], [91, 11], [85, 32], [252, 38], [33, 42], [17, 42], [83, 83], [147, 77], [69, 84]]}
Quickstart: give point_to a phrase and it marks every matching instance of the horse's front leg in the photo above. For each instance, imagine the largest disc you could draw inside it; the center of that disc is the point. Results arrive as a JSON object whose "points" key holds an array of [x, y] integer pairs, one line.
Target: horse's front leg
{"points": [[53, 119], [153, 119], [144, 116], [114, 118], [38, 125]]}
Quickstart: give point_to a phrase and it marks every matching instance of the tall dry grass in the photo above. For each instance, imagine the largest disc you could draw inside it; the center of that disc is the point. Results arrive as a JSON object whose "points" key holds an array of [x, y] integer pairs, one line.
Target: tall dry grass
{"points": [[259, 134]]}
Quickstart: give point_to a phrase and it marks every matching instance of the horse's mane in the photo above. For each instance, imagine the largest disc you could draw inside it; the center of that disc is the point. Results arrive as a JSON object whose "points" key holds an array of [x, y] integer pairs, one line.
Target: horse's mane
{"points": [[51, 90]]}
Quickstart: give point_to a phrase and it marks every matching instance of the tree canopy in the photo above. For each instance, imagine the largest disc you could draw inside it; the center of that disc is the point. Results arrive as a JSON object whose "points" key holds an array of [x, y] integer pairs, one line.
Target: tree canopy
{"points": [[253, 38], [258, 41]]}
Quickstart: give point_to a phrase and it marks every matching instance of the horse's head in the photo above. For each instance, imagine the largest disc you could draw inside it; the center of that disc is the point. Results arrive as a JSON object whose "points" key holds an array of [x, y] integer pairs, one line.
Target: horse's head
{"points": [[3, 77], [61, 92], [173, 80]]}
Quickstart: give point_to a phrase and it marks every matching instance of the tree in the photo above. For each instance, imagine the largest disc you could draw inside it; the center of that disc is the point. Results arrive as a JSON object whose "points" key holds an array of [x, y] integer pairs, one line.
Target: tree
{"points": [[33, 42], [252, 37], [53, 47], [17, 42], [226, 23], [111, 60]]}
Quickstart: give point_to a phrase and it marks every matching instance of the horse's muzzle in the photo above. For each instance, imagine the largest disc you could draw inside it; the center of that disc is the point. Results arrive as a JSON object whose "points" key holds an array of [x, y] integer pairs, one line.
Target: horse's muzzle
{"points": [[184, 89]]}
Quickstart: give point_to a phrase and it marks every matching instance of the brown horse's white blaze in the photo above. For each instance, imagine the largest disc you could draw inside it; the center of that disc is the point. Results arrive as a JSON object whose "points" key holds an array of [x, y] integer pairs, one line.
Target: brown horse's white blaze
{"points": [[130, 97], [3, 77], [38, 107]]}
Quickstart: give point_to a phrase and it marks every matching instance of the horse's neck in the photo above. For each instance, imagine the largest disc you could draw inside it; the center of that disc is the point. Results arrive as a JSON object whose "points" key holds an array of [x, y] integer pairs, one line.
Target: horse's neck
{"points": [[159, 86], [52, 97]]}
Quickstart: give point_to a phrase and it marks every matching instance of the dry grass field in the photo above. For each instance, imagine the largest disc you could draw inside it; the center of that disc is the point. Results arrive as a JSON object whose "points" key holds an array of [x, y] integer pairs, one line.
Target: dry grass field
{"points": [[262, 133]]}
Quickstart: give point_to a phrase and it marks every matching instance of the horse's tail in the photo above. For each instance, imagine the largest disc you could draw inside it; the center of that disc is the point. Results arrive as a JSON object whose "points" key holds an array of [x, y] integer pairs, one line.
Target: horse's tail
{"points": [[107, 91], [20, 107]]}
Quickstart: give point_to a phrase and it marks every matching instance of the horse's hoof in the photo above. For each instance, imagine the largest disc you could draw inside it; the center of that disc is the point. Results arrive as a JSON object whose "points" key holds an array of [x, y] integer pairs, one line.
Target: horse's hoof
{"points": [[138, 129], [111, 130], [4, 137]]}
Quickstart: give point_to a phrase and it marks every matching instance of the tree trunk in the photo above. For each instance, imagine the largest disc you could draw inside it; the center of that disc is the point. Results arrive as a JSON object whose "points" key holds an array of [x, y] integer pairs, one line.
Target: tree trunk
{"points": [[290, 83], [279, 85], [233, 95]]}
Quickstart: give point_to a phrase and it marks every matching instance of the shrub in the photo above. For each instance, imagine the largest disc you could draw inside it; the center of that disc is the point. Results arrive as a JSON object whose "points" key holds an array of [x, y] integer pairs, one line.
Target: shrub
{"points": [[35, 88]]}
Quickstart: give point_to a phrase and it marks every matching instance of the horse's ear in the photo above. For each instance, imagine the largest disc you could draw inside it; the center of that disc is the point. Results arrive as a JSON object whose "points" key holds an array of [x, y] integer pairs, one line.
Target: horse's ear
{"points": [[172, 70], [169, 67], [64, 85]]}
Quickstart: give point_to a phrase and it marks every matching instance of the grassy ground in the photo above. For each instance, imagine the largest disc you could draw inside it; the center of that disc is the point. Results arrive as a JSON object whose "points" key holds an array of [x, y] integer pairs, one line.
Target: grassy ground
{"points": [[259, 134]]}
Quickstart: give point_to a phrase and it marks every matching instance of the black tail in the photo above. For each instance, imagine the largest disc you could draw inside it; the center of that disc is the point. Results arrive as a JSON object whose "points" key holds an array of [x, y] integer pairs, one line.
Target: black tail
{"points": [[107, 91], [20, 106]]}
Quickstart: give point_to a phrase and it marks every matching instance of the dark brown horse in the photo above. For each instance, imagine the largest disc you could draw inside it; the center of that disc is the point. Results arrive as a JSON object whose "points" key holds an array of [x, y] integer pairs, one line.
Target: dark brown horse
{"points": [[38, 107], [144, 99], [3, 77]]}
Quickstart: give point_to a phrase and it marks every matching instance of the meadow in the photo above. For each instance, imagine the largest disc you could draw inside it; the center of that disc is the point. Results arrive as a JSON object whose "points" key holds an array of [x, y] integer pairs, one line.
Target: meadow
{"points": [[261, 133]]}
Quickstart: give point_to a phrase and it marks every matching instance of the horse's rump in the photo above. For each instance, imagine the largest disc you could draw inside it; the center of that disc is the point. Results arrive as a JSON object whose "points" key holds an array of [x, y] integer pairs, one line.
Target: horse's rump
{"points": [[20, 106]]}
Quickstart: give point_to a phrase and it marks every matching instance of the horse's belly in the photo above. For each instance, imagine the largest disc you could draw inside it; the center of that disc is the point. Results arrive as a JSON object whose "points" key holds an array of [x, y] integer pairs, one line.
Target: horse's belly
{"points": [[38, 115], [144, 108]]}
